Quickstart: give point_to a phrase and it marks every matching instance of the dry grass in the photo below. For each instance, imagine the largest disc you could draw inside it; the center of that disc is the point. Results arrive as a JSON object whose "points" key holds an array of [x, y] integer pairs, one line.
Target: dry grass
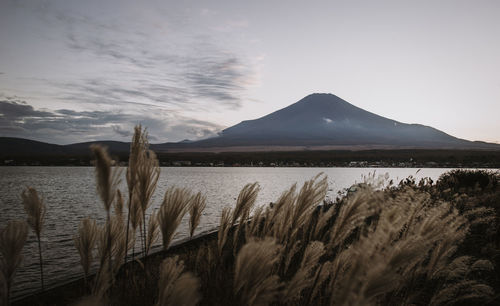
{"points": [[198, 204], [107, 177], [224, 227], [35, 209], [408, 244], [12, 240], [138, 144], [255, 281], [175, 286], [85, 243], [175, 204], [148, 172], [153, 232]]}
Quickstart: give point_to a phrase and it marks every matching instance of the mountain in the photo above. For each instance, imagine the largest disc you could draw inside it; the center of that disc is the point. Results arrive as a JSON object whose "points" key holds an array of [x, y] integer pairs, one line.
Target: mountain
{"points": [[317, 122], [325, 120]]}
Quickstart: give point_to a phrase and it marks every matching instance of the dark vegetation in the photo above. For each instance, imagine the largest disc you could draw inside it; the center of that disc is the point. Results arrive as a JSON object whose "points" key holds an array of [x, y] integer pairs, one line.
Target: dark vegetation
{"points": [[411, 243], [365, 158]]}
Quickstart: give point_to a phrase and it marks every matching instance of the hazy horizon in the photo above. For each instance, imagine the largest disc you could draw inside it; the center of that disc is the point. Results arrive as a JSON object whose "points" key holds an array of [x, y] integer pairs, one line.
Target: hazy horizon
{"points": [[75, 71]]}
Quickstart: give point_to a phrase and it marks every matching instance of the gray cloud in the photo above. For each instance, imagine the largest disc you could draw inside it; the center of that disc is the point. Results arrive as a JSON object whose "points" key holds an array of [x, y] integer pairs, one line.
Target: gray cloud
{"points": [[193, 73], [19, 119], [153, 72], [12, 109]]}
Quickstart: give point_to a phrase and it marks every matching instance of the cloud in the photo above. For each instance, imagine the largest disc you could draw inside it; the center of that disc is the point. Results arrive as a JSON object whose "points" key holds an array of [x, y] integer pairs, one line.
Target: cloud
{"points": [[108, 72], [186, 69], [13, 109], [19, 119]]}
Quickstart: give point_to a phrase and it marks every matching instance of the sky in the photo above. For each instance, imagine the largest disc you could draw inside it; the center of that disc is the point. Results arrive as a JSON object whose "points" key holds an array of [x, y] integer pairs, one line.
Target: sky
{"points": [[73, 71]]}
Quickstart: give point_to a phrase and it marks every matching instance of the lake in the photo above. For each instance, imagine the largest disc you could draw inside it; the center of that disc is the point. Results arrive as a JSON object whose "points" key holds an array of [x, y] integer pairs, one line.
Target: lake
{"points": [[70, 195]]}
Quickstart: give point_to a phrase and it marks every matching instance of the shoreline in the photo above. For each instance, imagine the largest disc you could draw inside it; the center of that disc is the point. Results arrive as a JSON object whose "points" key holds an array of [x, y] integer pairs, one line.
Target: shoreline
{"points": [[71, 291]]}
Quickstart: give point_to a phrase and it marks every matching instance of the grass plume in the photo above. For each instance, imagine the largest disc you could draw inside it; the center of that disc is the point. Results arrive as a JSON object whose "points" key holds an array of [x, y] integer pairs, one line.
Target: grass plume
{"points": [[175, 204], [139, 143], [85, 243], [175, 286], [12, 239], [254, 280], [35, 209], [198, 204]]}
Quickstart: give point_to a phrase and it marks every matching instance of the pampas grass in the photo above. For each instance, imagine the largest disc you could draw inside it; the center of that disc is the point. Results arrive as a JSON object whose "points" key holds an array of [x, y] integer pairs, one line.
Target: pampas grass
{"points": [[119, 204], [224, 227], [381, 244], [245, 202], [107, 177], [175, 205], [153, 231], [138, 144], [254, 280], [175, 286], [135, 215], [148, 172], [305, 275], [198, 204], [85, 243], [12, 240], [35, 209]]}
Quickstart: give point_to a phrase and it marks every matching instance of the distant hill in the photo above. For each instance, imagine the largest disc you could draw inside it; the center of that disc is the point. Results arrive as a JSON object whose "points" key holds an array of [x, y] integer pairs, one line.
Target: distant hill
{"points": [[317, 122], [10, 146]]}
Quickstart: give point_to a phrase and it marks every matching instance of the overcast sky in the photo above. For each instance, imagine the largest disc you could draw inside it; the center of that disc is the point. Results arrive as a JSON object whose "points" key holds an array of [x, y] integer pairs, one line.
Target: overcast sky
{"points": [[73, 71]]}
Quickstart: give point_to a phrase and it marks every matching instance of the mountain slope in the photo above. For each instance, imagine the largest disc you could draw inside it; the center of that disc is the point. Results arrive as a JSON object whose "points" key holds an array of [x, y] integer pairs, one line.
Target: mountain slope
{"points": [[327, 120], [317, 122]]}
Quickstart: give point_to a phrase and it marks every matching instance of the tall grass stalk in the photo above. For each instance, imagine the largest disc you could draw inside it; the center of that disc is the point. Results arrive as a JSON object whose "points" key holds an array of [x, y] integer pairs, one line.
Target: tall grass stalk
{"points": [[175, 286], [254, 280], [12, 239], [198, 204], [224, 227], [135, 215], [148, 172], [175, 204], [153, 231], [107, 180], [138, 144], [35, 209], [85, 243]]}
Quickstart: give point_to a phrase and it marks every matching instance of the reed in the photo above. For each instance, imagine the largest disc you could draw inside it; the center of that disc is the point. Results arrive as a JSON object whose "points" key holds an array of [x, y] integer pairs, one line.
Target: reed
{"points": [[35, 209], [148, 172], [107, 176], [135, 218], [244, 203], [12, 239], [175, 204], [255, 283], [224, 227], [107, 180], [85, 243], [198, 204], [305, 275], [241, 213], [138, 144], [175, 286], [153, 232], [408, 244]]}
